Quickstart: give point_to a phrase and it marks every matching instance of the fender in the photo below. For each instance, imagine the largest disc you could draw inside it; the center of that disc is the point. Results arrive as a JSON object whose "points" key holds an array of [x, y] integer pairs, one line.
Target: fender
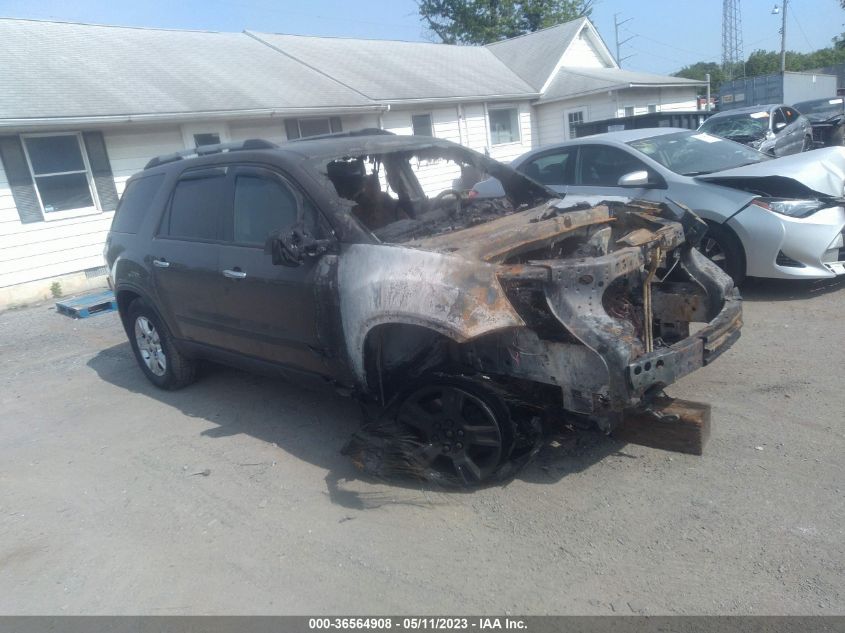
{"points": [[457, 297]]}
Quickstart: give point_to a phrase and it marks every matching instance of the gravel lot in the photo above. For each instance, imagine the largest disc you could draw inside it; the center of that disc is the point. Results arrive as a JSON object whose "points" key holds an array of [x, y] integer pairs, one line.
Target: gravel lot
{"points": [[104, 507]]}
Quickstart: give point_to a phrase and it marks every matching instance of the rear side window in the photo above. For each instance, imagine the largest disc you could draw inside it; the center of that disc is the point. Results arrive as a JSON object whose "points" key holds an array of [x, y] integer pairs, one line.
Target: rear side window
{"points": [[197, 205], [135, 202], [262, 206]]}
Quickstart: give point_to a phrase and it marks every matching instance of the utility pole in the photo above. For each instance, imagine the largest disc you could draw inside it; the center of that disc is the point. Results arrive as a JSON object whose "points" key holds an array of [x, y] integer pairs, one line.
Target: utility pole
{"points": [[783, 39], [616, 25]]}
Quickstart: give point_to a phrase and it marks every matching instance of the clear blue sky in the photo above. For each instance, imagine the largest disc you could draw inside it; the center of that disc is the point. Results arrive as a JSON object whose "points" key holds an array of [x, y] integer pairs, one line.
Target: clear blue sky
{"points": [[668, 34]]}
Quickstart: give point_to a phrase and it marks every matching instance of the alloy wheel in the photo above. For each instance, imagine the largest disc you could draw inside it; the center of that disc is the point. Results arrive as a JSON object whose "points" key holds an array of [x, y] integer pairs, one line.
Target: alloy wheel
{"points": [[149, 346], [459, 434]]}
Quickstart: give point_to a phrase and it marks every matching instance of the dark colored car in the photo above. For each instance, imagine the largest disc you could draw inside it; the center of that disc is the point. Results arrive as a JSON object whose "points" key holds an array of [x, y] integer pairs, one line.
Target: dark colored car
{"points": [[827, 116], [327, 258], [775, 129]]}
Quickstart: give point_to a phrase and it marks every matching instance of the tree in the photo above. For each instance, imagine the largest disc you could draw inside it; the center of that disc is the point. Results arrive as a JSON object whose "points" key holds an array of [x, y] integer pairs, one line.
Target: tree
{"points": [[699, 71], [485, 21]]}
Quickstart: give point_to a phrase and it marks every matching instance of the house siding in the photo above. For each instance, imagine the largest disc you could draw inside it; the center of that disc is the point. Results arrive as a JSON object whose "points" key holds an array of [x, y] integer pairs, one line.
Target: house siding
{"points": [[582, 54], [41, 251], [552, 122]]}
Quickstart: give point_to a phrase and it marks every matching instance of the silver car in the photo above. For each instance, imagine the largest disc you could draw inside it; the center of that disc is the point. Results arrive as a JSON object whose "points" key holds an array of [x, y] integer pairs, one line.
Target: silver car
{"points": [[774, 129], [780, 218]]}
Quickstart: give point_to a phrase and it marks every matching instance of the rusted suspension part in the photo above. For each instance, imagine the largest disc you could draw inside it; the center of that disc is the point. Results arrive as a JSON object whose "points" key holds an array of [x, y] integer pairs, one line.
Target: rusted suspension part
{"points": [[647, 309]]}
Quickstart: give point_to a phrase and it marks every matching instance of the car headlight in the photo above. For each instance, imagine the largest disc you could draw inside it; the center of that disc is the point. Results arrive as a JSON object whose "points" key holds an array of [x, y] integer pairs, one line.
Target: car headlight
{"points": [[792, 208]]}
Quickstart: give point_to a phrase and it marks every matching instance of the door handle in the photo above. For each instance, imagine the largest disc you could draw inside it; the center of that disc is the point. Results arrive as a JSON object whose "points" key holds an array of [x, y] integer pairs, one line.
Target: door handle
{"points": [[234, 274], [161, 263]]}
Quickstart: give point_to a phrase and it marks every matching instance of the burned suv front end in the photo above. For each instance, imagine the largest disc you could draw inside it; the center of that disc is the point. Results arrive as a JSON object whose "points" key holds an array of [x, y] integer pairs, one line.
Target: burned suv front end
{"points": [[616, 309], [461, 312]]}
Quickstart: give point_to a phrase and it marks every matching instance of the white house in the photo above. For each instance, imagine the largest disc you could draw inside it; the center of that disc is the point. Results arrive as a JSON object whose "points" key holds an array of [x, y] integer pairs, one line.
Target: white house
{"points": [[83, 107]]}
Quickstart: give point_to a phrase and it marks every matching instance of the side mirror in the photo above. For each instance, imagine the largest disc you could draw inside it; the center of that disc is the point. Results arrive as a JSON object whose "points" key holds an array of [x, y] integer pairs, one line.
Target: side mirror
{"points": [[489, 188], [290, 247], [634, 179], [779, 126]]}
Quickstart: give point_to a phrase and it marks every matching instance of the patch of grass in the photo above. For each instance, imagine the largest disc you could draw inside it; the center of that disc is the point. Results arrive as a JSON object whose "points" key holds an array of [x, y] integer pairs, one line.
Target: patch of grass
{"points": [[56, 289]]}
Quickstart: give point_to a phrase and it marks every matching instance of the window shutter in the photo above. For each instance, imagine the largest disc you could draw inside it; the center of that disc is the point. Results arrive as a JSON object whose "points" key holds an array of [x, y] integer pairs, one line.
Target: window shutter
{"points": [[292, 129], [20, 180], [98, 158]]}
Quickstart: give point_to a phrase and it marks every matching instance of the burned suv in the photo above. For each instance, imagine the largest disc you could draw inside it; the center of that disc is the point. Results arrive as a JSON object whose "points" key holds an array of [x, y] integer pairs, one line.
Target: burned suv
{"points": [[369, 261]]}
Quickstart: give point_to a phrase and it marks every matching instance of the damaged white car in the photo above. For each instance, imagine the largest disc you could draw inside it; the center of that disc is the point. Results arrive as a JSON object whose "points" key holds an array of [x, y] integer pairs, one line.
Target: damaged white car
{"points": [[781, 218]]}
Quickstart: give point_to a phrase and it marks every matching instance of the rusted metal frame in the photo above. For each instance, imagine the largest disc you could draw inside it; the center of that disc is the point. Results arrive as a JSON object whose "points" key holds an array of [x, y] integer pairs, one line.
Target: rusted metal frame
{"points": [[575, 297], [723, 307]]}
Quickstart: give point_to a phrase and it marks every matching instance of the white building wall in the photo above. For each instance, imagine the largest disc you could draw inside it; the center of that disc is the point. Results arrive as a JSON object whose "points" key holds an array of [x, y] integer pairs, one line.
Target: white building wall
{"points": [[34, 254], [552, 118], [470, 131], [582, 54]]}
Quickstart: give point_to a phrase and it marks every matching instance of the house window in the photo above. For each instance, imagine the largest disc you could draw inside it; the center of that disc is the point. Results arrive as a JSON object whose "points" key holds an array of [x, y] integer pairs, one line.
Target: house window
{"points": [[504, 126], [60, 171], [206, 138], [302, 128], [573, 119], [421, 125], [629, 111], [652, 107]]}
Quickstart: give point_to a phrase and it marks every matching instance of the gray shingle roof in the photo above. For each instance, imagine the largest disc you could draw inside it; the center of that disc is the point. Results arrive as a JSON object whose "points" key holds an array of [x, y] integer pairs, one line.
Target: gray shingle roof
{"points": [[572, 82], [63, 70], [393, 71], [535, 55]]}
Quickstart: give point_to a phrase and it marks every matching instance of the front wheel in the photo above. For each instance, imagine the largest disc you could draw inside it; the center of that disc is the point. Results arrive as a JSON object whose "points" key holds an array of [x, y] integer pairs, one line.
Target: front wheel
{"points": [[463, 431], [724, 249], [808, 144], [163, 365]]}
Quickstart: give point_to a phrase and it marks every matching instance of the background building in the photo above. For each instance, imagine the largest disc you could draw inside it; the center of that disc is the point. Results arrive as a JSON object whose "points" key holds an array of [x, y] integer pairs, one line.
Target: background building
{"points": [[83, 107]]}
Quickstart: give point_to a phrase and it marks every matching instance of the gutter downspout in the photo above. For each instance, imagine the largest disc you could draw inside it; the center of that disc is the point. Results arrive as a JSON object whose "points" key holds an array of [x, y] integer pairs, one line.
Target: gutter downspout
{"points": [[382, 110], [487, 129]]}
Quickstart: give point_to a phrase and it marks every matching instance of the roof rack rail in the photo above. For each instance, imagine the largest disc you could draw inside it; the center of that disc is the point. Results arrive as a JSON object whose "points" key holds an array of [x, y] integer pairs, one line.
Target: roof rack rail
{"points": [[367, 131], [204, 150]]}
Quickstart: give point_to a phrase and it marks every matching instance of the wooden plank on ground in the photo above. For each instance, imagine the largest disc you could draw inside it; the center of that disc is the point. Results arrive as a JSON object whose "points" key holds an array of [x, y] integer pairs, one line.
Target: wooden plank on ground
{"points": [[683, 426]]}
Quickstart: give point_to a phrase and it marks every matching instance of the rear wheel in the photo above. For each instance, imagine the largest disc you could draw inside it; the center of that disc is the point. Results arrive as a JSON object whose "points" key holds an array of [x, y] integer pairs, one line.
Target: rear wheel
{"points": [[724, 249], [164, 365], [464, 431]]}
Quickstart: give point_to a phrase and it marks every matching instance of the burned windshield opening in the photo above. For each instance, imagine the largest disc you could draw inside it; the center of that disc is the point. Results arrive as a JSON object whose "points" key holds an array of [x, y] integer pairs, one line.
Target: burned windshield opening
{"points": [[405, 194]]}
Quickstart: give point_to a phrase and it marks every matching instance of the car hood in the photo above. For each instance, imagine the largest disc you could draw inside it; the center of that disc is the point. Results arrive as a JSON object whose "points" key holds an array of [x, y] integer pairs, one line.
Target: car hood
{"points": [[808, 174], [824, 117]]}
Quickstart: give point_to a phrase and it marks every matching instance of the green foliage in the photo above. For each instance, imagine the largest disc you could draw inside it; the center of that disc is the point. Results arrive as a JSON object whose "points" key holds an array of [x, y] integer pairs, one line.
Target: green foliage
{"points": [[56, 289], [485, 21], [762, 62], [699, 71]]}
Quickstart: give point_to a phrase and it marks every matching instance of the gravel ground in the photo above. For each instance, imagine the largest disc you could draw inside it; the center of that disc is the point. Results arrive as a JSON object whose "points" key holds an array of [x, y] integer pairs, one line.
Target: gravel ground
{"points": [[231, 496]]}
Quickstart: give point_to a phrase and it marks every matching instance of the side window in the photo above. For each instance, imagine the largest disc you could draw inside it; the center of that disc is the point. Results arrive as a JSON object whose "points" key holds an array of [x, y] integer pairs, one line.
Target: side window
{"points": [[778, 118], [791, 115], [197, 205], [556, 168], [603, 166], [262, 205], [135, 202]]}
